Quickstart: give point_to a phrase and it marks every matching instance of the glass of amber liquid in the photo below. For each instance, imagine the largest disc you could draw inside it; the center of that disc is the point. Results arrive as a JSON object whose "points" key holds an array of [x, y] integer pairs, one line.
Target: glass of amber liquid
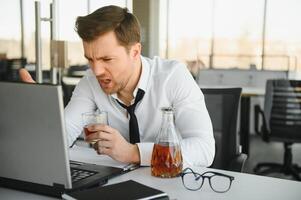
{"points": [[93, 118], [167, 161]]}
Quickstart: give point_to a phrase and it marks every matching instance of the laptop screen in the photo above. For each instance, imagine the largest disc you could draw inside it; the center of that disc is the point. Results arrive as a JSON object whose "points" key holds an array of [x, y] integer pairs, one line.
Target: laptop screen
{"points": [[33, 145]]}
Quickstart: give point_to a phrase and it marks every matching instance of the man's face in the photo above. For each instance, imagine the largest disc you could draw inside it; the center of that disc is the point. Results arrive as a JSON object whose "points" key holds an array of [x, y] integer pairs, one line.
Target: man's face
{"points": [[111, 63]]}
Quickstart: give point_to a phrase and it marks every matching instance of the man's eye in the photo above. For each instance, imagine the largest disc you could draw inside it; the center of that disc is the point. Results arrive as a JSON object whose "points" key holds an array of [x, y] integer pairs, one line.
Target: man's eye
{"points": [[107, 59]]}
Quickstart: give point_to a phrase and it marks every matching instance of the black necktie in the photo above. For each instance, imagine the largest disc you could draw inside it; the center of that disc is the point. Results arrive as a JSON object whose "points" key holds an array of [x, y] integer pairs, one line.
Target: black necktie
{"points": [[133, 125]]}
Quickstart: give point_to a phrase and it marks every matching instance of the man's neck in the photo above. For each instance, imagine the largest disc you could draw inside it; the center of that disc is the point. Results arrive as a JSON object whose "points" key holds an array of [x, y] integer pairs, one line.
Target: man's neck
{"points": [[126, 94]]}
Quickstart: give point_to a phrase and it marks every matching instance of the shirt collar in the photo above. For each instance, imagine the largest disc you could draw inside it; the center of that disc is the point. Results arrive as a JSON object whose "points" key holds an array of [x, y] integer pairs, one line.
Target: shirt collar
{"points": [[143, 80]]}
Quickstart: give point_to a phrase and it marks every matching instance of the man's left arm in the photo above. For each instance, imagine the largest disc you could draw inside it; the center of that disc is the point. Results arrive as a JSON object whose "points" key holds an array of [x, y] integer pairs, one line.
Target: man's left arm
{"points": [[191, 118]]}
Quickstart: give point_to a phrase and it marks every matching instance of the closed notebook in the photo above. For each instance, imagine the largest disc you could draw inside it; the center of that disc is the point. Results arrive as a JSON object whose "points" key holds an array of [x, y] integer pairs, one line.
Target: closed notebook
{"points": [[125, 190]]}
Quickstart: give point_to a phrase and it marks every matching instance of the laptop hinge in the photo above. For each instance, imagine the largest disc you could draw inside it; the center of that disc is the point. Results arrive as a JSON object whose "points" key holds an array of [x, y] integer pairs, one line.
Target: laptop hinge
{"points": [[58, 186]]}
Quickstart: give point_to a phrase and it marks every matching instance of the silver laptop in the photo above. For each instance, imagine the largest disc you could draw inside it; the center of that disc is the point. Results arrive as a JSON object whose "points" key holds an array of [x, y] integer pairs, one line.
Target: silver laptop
{"points": [[33, 146]]}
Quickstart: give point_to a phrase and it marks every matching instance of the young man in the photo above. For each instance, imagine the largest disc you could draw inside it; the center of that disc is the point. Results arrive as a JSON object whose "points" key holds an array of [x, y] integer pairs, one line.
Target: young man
{"points": [[119, 75]]}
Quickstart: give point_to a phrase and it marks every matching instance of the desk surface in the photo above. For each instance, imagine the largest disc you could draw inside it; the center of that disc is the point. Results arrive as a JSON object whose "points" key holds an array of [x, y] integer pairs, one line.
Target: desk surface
{"points": [[253, 91], [245, 186]]}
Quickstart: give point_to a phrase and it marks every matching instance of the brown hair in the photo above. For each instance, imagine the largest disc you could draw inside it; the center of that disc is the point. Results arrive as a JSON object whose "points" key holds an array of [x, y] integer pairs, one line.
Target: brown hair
{"points": [[109, 18]]}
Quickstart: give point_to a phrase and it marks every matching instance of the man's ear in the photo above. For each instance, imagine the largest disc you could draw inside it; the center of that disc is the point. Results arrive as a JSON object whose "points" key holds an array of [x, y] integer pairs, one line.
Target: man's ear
{"points": [[136, 50]]}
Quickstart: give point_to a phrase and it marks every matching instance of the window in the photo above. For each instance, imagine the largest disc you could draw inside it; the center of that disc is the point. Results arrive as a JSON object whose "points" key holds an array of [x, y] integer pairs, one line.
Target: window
{"points": [[189, 30], [237, 33], [29, 31], [229, 33], [10, 28], [95, 4], [10, 32], [283, 35], [67, 23]]}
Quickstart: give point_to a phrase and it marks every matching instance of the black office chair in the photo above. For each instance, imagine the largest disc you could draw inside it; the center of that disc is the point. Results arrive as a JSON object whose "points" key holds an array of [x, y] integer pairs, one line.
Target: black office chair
{"points": [[222, 105], [75, 71], [281, 121], [67, 92]]}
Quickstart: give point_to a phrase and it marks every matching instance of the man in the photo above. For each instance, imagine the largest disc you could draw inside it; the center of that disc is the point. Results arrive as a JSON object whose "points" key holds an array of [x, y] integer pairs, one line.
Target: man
{"points": [[118, 75]]}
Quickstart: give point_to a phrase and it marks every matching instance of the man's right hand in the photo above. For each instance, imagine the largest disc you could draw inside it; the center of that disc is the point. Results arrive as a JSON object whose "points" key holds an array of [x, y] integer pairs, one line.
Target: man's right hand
{"points": [[25, 76], [110, 142]]}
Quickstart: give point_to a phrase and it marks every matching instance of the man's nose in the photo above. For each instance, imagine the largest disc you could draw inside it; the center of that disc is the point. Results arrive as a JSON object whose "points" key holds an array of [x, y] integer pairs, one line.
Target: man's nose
{"points": [[98, 68]]}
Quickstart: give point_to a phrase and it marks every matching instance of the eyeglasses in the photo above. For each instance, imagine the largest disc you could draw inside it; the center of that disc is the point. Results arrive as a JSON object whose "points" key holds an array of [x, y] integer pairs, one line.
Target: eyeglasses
{"points": [[194, 181]]}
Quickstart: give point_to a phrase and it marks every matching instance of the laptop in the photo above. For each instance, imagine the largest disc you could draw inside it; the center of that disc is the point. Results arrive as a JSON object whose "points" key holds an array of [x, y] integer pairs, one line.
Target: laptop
{"points": [[33, 143]]}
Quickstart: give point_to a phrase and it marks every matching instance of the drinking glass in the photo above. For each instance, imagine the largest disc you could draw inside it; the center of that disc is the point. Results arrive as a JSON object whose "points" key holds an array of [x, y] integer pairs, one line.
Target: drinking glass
{"points": [[93, 118]]}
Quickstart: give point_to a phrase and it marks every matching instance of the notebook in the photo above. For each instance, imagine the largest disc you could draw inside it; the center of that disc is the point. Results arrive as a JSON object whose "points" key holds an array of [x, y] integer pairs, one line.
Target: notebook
{"points": [[33, 145], [126, 190]]}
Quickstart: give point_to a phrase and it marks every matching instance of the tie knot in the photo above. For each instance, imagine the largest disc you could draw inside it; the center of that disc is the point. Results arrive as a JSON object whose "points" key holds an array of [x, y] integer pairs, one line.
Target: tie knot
{"points": [[132, 107]]}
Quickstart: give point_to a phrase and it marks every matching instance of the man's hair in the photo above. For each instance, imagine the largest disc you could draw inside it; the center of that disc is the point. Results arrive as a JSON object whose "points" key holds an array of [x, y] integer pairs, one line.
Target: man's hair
{"points": [[109, 18]]}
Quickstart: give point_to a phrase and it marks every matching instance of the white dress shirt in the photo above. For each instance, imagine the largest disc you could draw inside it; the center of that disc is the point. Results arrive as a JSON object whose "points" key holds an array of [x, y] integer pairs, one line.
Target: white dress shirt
{"points": [[166, 83]]}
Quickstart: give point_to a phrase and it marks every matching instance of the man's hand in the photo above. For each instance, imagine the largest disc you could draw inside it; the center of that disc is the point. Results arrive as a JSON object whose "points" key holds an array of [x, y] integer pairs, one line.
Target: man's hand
{"points": [[25, 76], [110, 142]]}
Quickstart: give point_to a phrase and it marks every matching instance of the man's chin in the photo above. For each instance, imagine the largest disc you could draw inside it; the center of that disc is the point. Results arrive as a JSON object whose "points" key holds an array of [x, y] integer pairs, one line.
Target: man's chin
{"points": [[108, 91]]}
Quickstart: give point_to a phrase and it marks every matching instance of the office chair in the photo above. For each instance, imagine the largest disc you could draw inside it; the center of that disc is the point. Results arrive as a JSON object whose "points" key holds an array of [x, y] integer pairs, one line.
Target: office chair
{"points": [[281, 121], [75, 71], [67, 92], [222, 105], [3, 70]]}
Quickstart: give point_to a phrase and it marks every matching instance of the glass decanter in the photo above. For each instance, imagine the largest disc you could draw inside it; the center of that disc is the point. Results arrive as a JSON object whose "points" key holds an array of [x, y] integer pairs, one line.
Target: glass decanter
{"points": [[167, 159]]}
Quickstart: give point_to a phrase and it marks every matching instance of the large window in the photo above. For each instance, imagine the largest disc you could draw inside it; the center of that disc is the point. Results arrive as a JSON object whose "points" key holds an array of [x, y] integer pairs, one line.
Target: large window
{"points": [[67, 11], [67, 22], [95, 4], [237, 33], [66, 29], [10, 34], [189, 30], [283, 35], [29, 31], [232, 33]]}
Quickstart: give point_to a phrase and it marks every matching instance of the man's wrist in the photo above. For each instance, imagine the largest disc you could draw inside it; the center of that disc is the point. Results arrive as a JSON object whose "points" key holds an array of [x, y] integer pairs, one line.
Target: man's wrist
{"points": [[135, 158]]}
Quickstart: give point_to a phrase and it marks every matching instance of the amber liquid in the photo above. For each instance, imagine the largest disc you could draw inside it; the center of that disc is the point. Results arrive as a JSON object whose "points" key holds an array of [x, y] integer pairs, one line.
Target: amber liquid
{"points": [[166, 161], [87, 132]]}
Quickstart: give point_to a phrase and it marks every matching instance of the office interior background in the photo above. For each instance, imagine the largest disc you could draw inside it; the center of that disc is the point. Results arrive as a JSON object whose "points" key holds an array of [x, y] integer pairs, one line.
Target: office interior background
{"points": [[239, 43]]}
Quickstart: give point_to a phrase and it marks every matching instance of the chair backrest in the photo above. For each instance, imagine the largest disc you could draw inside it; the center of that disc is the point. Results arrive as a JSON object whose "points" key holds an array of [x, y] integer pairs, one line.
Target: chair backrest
{"points": [[222, 105], [282, 109], [67, 91]]}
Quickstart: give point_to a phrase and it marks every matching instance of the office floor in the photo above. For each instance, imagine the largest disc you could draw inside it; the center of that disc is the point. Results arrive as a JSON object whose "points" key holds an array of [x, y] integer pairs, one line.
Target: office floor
{"points": [[269, 152]]}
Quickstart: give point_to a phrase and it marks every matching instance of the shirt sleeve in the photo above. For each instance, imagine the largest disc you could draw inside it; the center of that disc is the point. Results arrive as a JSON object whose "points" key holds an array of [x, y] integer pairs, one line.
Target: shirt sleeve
{"points": [[191, 118], [145, 152], [80, 102]]}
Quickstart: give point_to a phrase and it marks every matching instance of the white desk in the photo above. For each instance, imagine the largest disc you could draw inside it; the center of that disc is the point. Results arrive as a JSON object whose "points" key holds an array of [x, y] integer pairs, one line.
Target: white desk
{"points": [[245, 186]]}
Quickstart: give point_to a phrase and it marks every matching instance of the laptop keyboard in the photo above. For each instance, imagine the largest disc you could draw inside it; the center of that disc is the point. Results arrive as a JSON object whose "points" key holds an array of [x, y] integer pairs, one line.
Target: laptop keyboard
{"points": [[79, 174]]}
